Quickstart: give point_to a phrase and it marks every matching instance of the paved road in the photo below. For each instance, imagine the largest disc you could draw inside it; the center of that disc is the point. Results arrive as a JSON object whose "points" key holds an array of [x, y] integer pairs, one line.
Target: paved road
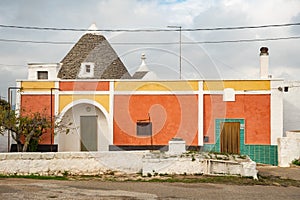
{"points": [[93, 189]]}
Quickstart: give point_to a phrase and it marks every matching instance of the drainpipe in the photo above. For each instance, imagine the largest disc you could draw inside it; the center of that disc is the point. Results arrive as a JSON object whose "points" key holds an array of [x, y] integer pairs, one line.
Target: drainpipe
{"points": [[51, 118]]}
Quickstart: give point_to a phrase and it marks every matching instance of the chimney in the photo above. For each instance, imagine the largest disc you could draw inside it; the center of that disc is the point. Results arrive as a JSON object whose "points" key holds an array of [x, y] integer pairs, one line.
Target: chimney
{"points": [[264, 62]]}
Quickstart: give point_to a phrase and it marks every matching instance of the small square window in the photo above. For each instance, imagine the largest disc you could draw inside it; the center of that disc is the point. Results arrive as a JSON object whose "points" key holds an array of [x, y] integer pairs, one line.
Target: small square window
{"points": [[144, 128], [87, 68], [42, 75]]}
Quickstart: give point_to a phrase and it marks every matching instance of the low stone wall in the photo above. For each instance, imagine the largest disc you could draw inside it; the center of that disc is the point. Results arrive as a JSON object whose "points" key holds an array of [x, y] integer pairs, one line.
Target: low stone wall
{"points": [[208, 164], [288, 148], [74, 163], [97, 163]]}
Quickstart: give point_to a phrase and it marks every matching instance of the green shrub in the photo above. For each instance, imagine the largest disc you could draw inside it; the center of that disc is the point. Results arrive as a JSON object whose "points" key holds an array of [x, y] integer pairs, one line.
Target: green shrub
{"points": [[296, 162]]}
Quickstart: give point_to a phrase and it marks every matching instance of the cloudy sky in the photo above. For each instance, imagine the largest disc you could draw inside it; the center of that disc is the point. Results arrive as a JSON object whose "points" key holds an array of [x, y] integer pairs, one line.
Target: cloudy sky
{"points": [[199, 61]]}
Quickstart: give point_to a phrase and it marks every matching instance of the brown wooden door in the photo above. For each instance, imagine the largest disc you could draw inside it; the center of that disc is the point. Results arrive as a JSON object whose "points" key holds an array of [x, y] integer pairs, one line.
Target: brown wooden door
{"points": [[230, 137]]}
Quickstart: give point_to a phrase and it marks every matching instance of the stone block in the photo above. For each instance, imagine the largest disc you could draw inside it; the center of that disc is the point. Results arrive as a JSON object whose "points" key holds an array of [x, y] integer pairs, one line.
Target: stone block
{"points": [[3, 156], [63, 155], [13, 156], [177, 146], [31, 156], [48, 155]]}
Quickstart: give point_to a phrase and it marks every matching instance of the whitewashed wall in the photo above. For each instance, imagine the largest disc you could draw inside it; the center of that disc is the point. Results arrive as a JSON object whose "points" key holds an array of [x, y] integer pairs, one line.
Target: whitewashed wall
{"points": [[3, 143], [71, 141], [291, 106], [51, 68], [288, 148], [97, 163]]}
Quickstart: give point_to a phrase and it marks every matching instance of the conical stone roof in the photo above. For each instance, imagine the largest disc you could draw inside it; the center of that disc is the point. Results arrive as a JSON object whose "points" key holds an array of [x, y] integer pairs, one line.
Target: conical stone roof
{"points": [[93, 48]]}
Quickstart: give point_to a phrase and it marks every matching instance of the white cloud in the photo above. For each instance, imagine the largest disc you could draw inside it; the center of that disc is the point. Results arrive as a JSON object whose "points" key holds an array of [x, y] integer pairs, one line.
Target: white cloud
{"points": [[232, 60]]}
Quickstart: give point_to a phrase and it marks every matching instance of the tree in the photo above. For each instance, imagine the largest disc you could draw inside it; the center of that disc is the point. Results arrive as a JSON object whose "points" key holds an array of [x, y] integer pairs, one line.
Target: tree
{"points": [[29, 127]]}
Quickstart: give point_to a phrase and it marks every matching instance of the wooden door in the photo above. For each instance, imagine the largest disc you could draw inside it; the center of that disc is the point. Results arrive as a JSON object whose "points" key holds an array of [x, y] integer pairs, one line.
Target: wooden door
{"points": [[230, 137], [88, 133]]}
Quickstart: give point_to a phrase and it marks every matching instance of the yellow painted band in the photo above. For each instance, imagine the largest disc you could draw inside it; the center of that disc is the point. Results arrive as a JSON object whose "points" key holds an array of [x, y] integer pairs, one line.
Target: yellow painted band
{"points": [[65, 100], [156, 86], [237, 85], [37, 85]]}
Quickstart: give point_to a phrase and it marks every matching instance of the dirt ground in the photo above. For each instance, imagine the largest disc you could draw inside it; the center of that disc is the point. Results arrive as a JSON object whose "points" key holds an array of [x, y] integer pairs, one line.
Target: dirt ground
{"points": [[282, 172], [92, 189], [95, 188]]}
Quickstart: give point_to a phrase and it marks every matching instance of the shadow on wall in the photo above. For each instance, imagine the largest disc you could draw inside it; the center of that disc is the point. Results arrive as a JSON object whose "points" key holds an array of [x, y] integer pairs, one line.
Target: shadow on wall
{"points": [[291, 116]]}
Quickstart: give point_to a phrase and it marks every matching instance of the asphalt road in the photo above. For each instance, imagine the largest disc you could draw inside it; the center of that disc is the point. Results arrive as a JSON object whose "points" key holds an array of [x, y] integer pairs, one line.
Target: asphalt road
{"points": [[92, 189]]}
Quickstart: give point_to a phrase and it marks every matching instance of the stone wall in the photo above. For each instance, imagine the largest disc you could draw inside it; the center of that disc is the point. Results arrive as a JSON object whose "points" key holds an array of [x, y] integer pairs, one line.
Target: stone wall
{"points": [[75, 163], [288, 148], [97, 163], [207, 164]]}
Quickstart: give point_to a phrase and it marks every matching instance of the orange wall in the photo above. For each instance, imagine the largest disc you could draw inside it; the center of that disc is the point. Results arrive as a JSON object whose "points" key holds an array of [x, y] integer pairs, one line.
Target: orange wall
{"points": [[255, 109], [171, 116], [84, 85], [41, 104]]}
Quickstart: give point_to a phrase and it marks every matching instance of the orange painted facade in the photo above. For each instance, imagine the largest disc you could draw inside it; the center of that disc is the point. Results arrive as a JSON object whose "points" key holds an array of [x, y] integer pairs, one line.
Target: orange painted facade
{"points": [[255, 109], [171, 116], [84, 85], [41, 104]]}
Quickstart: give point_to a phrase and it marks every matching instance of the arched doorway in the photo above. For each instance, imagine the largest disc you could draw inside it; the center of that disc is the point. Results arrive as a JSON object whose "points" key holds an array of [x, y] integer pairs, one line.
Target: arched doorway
{"points": [[87, 125]]}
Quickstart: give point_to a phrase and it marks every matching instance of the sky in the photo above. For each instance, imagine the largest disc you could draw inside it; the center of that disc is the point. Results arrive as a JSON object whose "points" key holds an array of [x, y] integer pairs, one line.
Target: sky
{"points": [[238, 60]]}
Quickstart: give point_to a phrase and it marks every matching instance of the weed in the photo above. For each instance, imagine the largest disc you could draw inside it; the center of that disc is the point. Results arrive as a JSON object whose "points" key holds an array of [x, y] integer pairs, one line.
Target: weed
{"points": [[296, 162], [243, 156], [65, 173], [193, 158], [32, 176], [165, 174]]}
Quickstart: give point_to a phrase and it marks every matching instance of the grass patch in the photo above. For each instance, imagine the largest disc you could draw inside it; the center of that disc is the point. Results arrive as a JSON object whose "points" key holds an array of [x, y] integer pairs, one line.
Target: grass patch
{"points": [[32, 176], [232, 180]]}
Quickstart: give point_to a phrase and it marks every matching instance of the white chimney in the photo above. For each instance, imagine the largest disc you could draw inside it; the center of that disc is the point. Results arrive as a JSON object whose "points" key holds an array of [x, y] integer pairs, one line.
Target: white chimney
{"points": [[264, 62]]}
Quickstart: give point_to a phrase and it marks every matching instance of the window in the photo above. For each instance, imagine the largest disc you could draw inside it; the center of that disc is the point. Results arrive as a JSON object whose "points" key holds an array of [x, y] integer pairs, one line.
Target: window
{"points": [[87, 68], [42, 75], [144, 128]]}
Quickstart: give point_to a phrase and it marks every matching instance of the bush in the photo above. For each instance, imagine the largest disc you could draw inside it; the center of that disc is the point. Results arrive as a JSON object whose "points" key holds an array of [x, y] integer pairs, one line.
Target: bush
{"points": [[296, 162]]}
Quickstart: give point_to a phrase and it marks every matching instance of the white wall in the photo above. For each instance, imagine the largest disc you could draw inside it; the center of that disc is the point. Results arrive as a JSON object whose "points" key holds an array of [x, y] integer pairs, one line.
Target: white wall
{"points": [[276, 111], [71, 141], [74, 163], [288, 148], [51, 68], [291, 106], [95, 163], [3, 142]]}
